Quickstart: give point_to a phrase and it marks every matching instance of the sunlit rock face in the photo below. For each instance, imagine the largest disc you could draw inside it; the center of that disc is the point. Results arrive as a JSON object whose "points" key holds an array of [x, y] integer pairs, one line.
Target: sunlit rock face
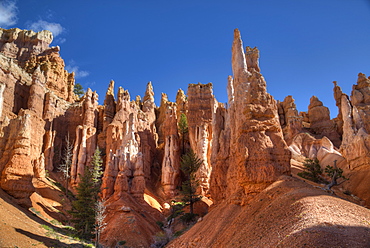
{"points": [[201, 105], [243, 143], [355, 112], [34, 89], [290, 120], [258, 154], [170, 178]]}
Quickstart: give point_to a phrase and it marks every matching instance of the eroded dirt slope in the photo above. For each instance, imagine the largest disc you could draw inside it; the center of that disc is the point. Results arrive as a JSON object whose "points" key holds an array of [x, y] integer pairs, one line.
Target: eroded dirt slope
{"points": [[289, 213]]}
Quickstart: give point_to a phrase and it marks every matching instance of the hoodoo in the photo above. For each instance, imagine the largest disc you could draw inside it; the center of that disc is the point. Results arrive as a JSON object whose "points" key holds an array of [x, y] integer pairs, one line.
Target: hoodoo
{"points": [[250, 149]]}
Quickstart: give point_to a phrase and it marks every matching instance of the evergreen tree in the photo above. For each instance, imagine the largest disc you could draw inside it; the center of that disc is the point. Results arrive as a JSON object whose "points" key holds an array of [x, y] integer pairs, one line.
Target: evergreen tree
{"points": [[334, 173], [184, 129], [190, 163], [83, 212], [84, 208], [78, 90], [312, 170], [97, 168]]}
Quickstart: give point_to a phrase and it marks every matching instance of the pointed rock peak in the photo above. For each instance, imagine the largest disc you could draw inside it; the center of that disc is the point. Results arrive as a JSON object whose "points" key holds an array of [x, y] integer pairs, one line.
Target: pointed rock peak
{"points": [[230, 89], [238, 61], [252, 56], [95, 96], [237, 34], [314, 102], [362, 81], [289, 98], [180, 96], [71, 77], [110, 90], [164, 99], [123, 95], [89, 92], [149, 94], [138, 100]]}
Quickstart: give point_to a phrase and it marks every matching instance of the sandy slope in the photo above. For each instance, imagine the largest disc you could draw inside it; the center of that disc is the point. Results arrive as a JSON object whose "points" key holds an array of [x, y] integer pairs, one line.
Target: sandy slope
{"points": [[289, 213], [20, 228]]}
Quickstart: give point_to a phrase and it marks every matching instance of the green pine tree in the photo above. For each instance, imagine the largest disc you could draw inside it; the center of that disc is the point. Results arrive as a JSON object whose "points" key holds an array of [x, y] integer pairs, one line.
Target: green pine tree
{"points": [[190, 163], [183, 129], [97, 168], [84, 208], [78, 90], [83, 213]]}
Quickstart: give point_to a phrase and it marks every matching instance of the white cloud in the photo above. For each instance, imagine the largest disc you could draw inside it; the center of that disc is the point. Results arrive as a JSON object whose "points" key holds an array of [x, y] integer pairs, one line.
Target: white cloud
{"points": [[55, 28], [61, 40], [72, 67], [8, 13]]}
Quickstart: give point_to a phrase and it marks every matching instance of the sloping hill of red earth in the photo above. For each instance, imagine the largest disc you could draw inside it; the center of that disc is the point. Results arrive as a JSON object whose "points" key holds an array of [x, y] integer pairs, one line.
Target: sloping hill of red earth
{"points": [[289, 213]]}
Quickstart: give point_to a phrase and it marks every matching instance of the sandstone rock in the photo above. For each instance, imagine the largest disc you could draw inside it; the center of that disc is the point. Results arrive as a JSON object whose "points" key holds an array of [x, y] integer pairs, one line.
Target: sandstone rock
{"points": [[85, 142], [37, 92], [355, 136], [171, 157], [21, 148], [320, 123], [306, 146], [290, 120], [126, 168], [108, 113], [258, 153], [338, 121], [22, 44], [201, 105], [2, 88], [161, 116], [252, 56], [52, 65], [181, 103]]}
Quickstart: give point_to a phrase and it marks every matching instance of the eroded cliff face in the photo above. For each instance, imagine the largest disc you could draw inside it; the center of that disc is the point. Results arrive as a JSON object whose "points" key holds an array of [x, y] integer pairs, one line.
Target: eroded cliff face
{"points": [[201, 105], [257, 154], [245, 145]]}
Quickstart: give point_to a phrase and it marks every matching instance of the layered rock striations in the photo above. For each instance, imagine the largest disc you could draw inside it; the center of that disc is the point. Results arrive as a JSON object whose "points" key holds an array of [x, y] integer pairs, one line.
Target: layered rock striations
{"points": [[355, 112], [201, 105], [258, 154], [243, 144]]}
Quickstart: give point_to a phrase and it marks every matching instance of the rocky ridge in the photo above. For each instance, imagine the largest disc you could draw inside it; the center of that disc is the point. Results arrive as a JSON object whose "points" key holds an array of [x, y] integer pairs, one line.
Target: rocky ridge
{"points": [[246, 144]]}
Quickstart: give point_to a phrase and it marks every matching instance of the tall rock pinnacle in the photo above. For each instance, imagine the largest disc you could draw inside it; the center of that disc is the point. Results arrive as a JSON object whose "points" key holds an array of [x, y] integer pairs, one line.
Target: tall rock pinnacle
{"points": [[258, 154]]}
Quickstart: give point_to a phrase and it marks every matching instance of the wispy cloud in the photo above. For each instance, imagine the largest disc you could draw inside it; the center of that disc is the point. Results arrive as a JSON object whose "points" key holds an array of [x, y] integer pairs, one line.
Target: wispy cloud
{"points": [[8, 13], [61, 40], [55, 28], [72, 67]]}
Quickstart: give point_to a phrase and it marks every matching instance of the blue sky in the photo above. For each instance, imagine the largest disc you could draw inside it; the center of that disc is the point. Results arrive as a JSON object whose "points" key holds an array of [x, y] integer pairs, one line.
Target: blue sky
{"points": [[304, 45]]}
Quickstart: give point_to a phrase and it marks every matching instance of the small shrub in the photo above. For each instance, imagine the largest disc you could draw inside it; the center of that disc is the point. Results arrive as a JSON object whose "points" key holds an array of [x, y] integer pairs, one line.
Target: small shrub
{"points": [[160, 224], [331, 171], [188, 218], [35, 212], [47, 228], [122, 242], [55, 222], [178, 233], [312, 170], [347, 192], [176, 209]]}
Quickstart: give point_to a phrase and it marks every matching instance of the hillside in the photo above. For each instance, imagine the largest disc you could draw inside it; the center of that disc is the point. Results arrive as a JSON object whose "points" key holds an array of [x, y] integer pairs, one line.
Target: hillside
{"points": [[289, 213]]}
